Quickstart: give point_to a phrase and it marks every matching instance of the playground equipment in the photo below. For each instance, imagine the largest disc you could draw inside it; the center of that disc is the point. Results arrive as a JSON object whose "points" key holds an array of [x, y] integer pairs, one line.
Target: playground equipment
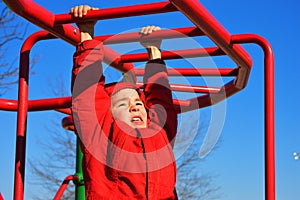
{"points": [[57, 26]]}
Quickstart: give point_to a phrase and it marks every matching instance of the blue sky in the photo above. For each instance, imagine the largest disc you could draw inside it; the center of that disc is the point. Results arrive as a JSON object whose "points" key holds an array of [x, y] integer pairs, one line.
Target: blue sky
{"points": [[238, 161]]}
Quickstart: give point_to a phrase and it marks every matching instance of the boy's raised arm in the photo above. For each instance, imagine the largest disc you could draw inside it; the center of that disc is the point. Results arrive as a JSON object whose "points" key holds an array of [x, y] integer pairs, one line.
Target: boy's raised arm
{"points": [[88, 81], [157, 88]]}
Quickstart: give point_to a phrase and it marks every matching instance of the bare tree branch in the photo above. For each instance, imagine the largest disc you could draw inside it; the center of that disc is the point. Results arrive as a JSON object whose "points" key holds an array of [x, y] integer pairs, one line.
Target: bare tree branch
{"points": [[12, 28]]}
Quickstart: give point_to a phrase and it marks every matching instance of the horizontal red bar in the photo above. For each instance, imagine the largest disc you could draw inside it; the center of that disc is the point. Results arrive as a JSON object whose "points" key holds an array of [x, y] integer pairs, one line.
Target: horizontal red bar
{"points": [[195, 71], [37, 105], [190, 88], [162, 34], [119, 12], [176, 54]]}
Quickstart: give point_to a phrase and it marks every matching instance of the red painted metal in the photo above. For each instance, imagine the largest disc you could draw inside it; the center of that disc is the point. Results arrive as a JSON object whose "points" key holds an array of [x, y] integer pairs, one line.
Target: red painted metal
{"points": [[66, 111], [206, 24], [64, 186], [176, 54], [270, 173], [22, 111], [119, 12], [195, 71], [162, 34], [198, 14], [37, 105], [41, 17], [190, 88]]}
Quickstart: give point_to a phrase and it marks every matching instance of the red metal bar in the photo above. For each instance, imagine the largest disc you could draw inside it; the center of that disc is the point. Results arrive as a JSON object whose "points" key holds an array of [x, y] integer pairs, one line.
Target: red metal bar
{"points": [[37, 105], [64, 186], [176, 54], [22, 112], [125, 11], [194, 71], [197, 13], [206, 100], [270, 174], [66, 111], [190, 88], [43, 18], [162, 34]]}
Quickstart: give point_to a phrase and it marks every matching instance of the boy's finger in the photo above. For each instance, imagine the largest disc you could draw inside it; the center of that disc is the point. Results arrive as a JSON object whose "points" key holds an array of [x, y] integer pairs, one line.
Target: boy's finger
{"points": [[142, 31], [75, 11], [85, 9], [156, 28], [152, 28], [80, 11], [148, 30]]}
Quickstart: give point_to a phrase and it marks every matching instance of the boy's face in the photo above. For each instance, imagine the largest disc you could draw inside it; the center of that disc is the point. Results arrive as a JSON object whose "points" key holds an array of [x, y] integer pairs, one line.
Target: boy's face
{"points": [[129, 108]]}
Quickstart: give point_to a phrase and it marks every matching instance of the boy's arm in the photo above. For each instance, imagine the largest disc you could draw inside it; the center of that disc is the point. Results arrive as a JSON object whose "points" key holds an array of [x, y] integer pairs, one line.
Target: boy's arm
{"points": [[157, 88], [88, 83], [158, 97], [88, 51]]}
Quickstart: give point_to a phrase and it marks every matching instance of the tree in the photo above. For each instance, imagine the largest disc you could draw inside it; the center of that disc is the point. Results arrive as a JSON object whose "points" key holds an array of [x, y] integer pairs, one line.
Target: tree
{"points": [[193, 182], [50, 170], [12, 28]]}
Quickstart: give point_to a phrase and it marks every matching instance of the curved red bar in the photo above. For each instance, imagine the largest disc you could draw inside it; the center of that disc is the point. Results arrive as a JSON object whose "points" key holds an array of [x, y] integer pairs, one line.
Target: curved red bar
{"points": [[269, 109], [197, 13], [64, 186]]}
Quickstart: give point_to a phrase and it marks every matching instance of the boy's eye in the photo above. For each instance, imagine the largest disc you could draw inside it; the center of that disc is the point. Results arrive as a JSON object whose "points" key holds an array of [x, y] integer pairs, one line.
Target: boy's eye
{"points": [[121, 104], [139, 104]]}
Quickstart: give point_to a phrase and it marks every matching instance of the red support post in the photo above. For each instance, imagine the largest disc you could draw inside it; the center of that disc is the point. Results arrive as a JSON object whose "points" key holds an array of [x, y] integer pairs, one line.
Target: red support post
{"points": [[270, 173], [22, 112]]}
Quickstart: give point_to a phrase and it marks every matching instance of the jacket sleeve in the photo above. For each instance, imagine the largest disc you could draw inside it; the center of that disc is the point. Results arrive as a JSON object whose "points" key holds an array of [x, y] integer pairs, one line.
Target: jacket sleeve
{"points": [[90, 102], [158, 96]]}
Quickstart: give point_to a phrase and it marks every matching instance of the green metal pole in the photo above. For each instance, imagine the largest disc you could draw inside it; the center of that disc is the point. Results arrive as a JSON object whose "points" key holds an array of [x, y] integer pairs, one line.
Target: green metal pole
{"points": [[79, 184]]}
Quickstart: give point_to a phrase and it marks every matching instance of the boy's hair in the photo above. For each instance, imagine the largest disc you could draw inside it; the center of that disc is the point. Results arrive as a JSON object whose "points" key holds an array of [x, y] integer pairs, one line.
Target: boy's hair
{"points": [[114, 87]]}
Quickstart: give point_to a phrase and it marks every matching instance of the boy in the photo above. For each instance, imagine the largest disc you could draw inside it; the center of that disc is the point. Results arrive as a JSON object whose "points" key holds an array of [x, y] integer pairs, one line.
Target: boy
{"points": [[126, 134]]}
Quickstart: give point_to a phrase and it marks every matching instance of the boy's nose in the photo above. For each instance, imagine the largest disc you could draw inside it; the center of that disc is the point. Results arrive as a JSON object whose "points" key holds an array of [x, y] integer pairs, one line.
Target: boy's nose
{"points": [[134, 108]]}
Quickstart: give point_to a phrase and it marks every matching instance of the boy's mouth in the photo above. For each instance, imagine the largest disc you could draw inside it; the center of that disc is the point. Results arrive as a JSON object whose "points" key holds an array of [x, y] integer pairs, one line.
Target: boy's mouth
{"points": [[136, 119]]}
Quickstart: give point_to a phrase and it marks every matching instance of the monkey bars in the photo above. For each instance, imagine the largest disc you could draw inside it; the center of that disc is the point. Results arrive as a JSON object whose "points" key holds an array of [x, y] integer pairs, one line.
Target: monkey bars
{"points": [[57, 26]]}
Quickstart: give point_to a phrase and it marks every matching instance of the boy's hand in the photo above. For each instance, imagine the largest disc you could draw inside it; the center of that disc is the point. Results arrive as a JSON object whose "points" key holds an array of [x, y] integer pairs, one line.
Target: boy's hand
{"points": [[150, 43], [152, 46], [86, 28]]}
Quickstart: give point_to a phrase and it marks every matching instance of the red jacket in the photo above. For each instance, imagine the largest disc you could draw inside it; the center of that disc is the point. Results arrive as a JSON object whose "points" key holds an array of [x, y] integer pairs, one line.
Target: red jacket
{"points": [[121, 162]]}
